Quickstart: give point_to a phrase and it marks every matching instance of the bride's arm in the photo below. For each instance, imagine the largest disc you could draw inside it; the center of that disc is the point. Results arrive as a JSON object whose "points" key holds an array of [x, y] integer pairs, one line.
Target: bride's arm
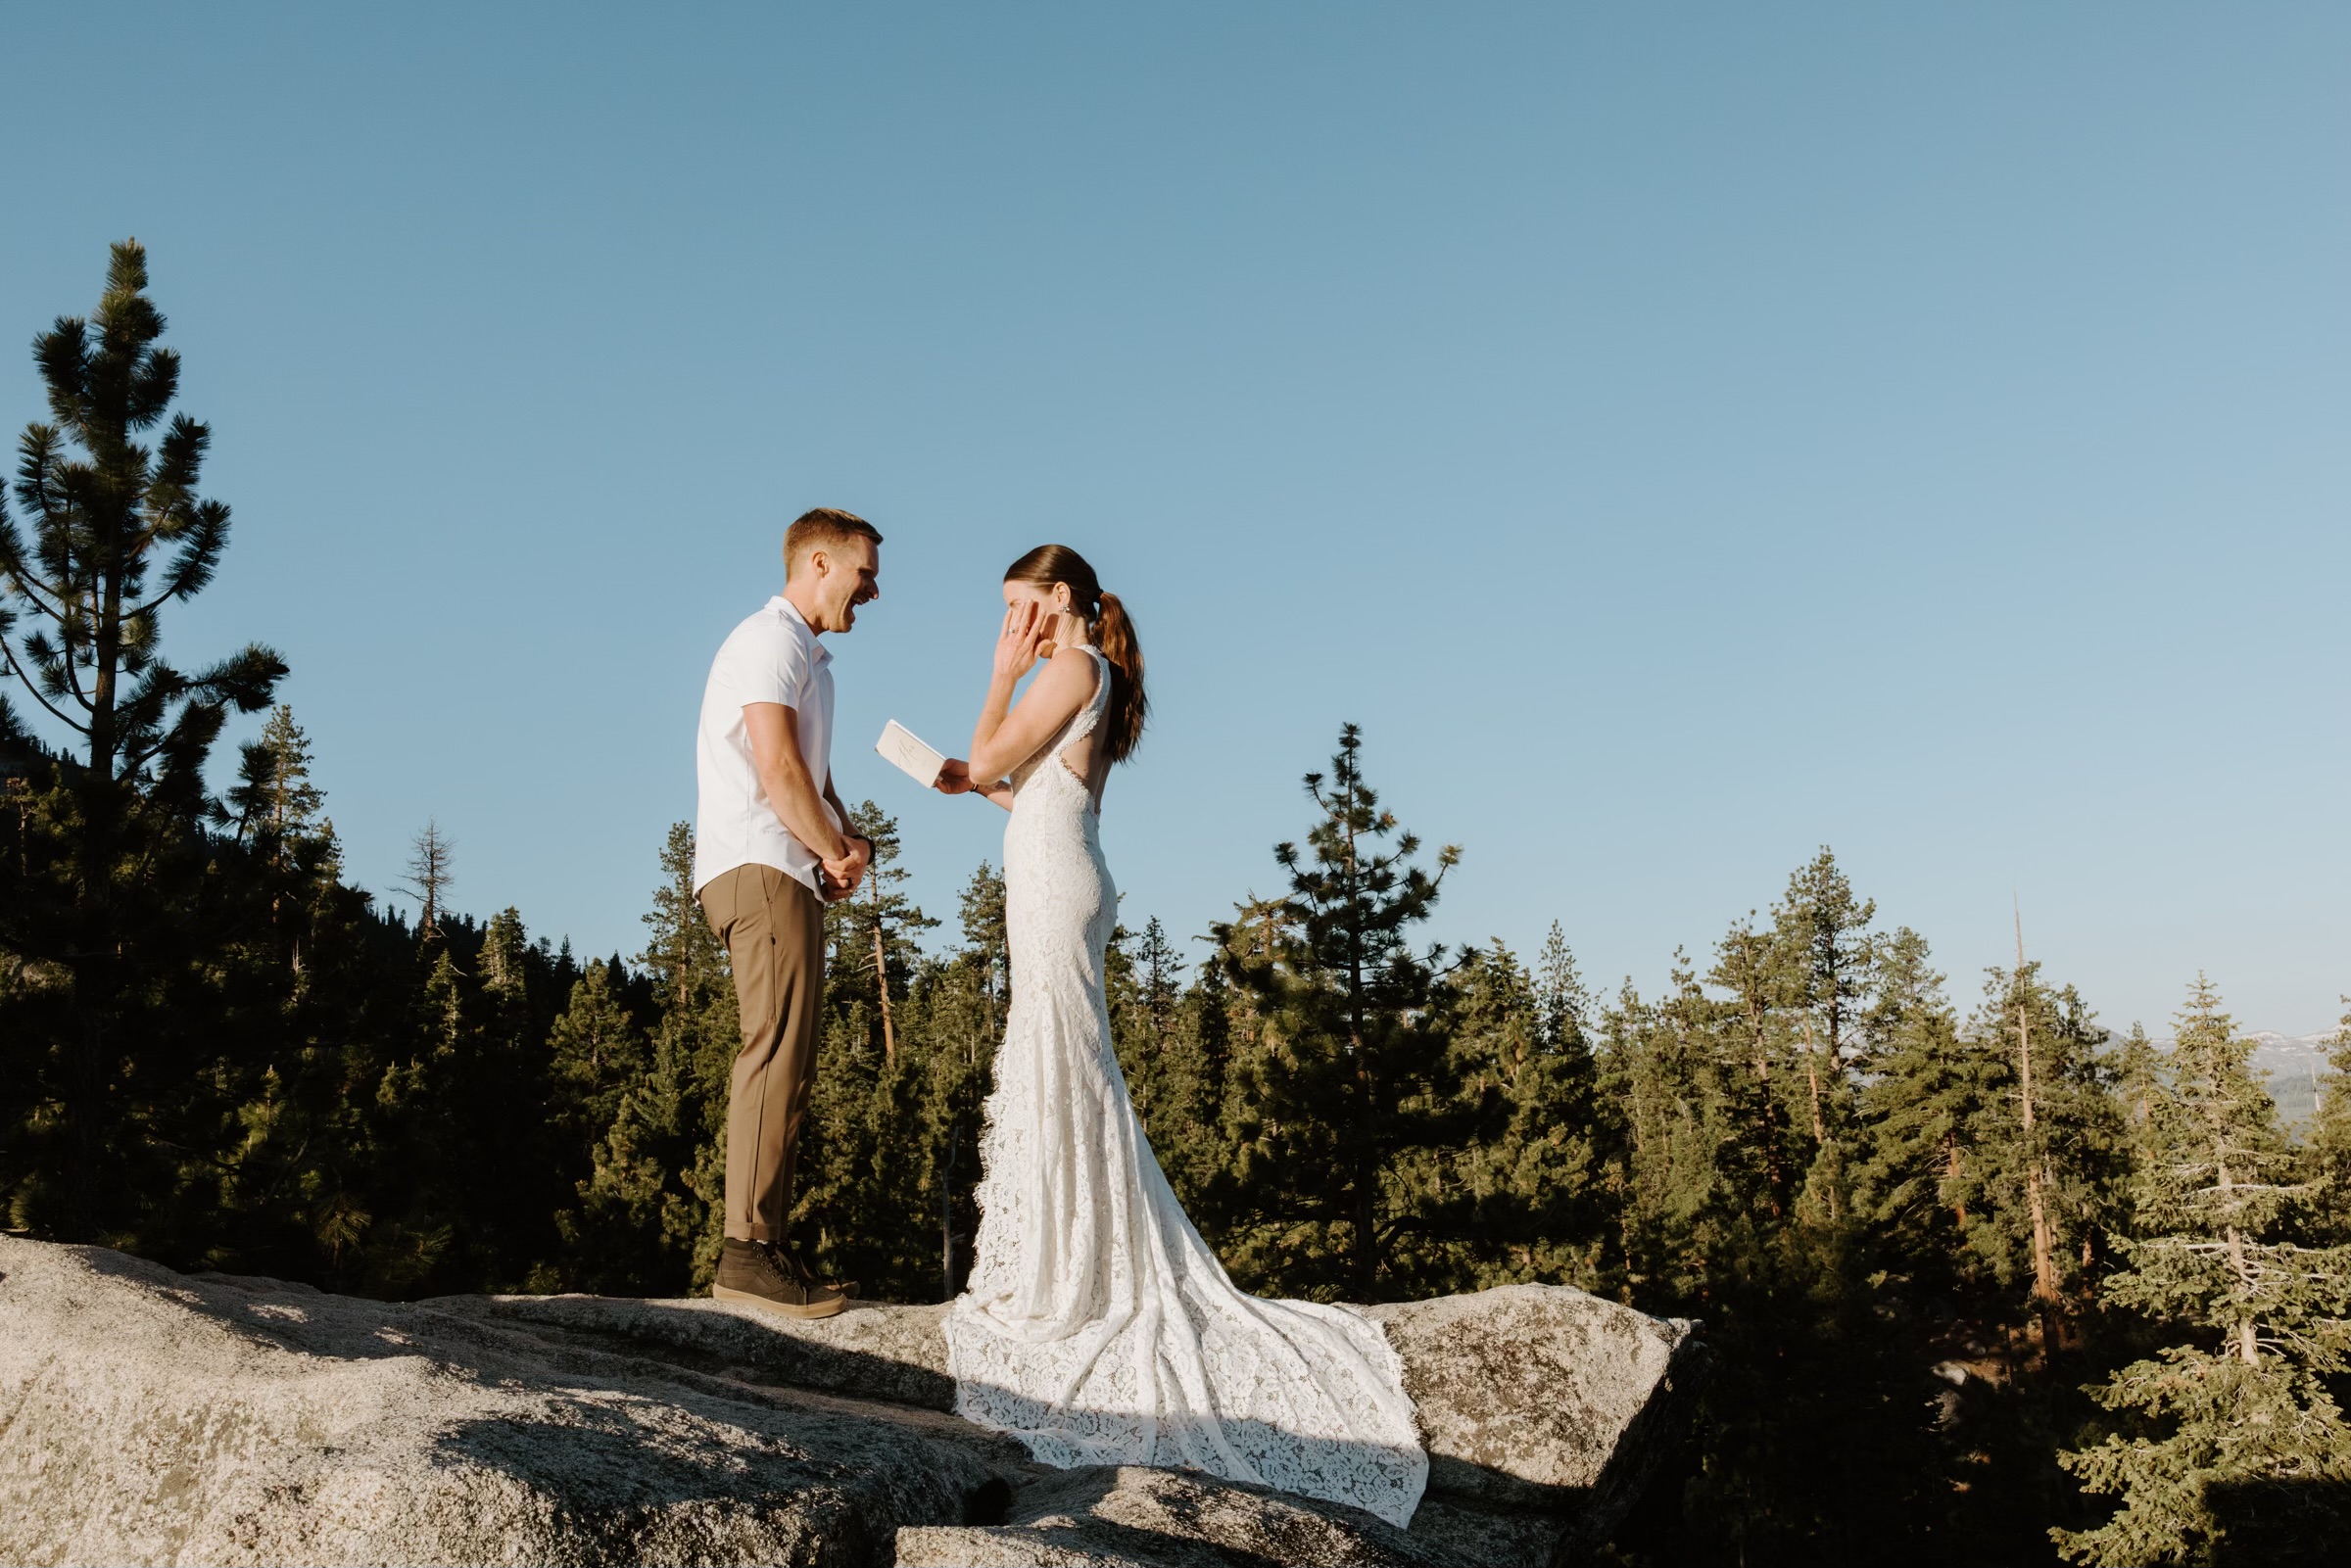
{"points": [[955, 779], [1015, 652], [1003, 741], [1007, 736]]}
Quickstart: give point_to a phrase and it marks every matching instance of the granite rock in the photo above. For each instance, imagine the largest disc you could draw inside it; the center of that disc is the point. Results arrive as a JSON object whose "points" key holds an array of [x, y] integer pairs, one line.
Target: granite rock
{"points": [[154, 1417]]}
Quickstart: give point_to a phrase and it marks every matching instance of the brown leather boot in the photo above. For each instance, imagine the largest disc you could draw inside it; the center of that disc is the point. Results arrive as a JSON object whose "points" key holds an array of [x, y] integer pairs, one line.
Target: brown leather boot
{"points": [[806, 1276], [763, 1274]]}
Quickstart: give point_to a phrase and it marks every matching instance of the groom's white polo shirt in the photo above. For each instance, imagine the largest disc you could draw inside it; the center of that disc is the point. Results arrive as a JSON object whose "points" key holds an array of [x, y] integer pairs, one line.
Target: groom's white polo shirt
{"points": [[771, 657]]}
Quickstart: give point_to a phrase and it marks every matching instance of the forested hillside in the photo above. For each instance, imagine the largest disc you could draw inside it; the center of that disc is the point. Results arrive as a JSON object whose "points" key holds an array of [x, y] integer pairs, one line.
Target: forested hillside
{"points": [[1974, 1269]]}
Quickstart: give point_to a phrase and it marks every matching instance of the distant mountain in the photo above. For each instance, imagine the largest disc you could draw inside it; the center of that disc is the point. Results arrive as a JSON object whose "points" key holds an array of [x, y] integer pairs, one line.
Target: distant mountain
{"points": [[2296, 1064]]}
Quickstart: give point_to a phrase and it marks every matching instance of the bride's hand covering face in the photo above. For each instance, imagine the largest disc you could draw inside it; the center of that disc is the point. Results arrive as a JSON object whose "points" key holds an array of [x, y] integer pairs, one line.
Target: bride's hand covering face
{"points": [[1052, 600], [1019, 644], [1060, 625]]}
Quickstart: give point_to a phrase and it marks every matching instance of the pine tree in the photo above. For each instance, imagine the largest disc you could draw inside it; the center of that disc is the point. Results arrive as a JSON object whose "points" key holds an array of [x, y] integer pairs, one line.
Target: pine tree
{"points": [[2034, 1153], [1349, 1062], [1143, 984], [431, 857], [1754, 1043], [986, 945], [1512, 1194], [2242, 1433], [279, 814], [1924, 1103], [597, 1052], [274, 800], [2137, 1092], [508, 1155], [1159, 976], [1810, 1446], [857, 1203], [102, 522], [650, 1213], [2329, 1141], [1563, 1007], [424, 1121], [964, 1009], [873, 934], [504, 964], [1678, 1122], [2049, 1149], [118, 533], [1825, 932], [1173, 1044]]}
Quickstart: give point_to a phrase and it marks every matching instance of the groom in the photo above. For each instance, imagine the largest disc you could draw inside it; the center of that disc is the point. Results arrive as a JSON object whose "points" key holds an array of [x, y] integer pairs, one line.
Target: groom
{"points": [[771, 847]]}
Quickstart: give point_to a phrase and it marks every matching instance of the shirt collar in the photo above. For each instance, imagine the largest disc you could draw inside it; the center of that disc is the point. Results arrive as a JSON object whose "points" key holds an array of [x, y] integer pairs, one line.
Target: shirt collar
{"points": [[792, 613]]}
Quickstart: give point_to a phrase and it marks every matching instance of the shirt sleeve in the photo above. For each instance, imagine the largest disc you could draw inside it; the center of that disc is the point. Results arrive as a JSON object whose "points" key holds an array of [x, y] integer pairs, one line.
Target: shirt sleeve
{"points": [[770, 669]]}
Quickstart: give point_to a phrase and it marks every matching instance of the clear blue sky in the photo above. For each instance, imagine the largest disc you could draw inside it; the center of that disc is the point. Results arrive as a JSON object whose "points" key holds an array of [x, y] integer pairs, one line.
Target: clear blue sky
{"points": [[1681, 436]]}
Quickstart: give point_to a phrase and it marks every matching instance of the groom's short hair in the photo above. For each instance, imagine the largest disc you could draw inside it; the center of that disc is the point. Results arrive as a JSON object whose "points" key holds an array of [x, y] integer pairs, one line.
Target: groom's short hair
{"points": [[822, 526]]}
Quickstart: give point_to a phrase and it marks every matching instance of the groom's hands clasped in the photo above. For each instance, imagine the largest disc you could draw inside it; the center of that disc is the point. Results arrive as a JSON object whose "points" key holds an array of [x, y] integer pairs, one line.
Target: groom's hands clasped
{"points": [[841, 877]]}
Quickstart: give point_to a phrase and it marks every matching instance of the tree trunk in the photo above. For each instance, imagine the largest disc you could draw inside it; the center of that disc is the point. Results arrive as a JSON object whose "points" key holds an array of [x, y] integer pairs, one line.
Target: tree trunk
{"points": [[889, 1034], [1820, 1129], [1777, 1177], [1367, 1239], [1950, 1150], [2044, 1251], [2045, 1262], [947, 1214], [97, 986], [2248, 1341]]}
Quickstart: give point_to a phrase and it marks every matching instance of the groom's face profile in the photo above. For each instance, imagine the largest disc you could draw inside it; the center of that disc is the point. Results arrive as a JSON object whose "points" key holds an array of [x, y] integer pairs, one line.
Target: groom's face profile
{"points": [[841, 576]]}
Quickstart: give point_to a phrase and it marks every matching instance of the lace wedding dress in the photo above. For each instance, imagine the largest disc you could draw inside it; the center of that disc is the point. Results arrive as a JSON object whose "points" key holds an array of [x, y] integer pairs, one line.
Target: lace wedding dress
{"points": [[1098, 1328]]}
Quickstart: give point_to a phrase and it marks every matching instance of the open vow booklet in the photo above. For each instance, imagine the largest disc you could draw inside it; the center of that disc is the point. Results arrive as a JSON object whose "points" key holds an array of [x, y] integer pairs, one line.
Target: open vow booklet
{"points": [[919, 761]]}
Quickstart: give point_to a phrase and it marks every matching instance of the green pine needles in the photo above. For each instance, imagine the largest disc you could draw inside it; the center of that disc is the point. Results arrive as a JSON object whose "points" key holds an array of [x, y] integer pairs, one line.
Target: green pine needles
{"points": [[2239, 1432], [118, 534], [1350, 1071]]}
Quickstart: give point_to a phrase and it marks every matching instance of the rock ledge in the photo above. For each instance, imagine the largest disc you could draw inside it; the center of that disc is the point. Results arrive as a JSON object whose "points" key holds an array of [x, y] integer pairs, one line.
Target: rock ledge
{"points": [[153, 1418]]}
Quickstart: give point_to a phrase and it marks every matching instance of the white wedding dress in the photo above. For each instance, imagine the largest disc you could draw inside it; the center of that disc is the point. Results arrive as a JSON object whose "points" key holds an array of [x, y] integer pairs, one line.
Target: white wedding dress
{"points": [[1098, 1328]]}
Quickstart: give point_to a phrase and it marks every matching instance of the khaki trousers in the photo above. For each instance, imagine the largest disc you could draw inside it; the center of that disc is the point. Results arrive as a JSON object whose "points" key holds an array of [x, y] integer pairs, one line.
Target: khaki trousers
{"points": [[774, 928]]}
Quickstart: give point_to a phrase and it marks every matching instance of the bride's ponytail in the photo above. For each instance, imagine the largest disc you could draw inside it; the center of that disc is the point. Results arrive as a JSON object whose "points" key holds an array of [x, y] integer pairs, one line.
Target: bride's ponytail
{"points": [[1108, 625], [1113, 632]]}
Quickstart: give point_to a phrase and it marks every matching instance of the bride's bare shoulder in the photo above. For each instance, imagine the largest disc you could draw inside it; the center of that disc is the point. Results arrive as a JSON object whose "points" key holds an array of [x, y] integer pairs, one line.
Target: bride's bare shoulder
{"points": [[1070, 663], [1066, 677]]}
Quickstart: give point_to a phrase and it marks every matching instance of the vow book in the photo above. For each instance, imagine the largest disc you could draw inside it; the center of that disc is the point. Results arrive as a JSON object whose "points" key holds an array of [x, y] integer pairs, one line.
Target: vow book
{"points": [[919, 761]]}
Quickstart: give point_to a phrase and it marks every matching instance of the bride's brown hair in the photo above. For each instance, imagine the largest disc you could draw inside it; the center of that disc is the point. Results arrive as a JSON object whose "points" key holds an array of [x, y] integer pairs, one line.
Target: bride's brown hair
{"points": [[1107, 625]]}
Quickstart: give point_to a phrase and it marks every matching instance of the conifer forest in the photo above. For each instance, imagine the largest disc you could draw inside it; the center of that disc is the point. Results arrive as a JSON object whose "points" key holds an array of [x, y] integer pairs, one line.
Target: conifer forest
{"points": [[1983, 1280]]}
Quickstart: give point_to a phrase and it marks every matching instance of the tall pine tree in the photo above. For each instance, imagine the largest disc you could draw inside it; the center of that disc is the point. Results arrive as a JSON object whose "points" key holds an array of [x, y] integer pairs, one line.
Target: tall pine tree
{"points": [[1348, 1062], [118, 534], [2240, 1446]]}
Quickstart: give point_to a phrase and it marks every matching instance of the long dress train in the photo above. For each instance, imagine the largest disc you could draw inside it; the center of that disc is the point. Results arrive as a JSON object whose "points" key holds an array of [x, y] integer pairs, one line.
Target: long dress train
{"points": [[1097, 1326]]}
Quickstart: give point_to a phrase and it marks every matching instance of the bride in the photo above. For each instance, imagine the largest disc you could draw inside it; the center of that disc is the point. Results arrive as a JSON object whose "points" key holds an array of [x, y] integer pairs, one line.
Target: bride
{"points": [[1097, 1327]]}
